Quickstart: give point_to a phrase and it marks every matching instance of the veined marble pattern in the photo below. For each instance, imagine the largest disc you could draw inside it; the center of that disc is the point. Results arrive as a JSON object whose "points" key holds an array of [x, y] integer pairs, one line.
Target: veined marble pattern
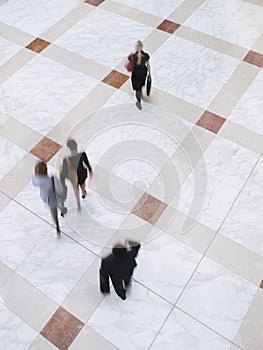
{"points": [[182, 332], [166, 266], [34, 16], [7, 50], [249, 107], [195, 80], [55, 266], [15, 333], [228, 162], [104, 37], [254, 185], [218, 298], [126, 324], [15, 154], [16, 242], [153, 7], [235, 21], [244, 222], [205, 198], [51, 91]]}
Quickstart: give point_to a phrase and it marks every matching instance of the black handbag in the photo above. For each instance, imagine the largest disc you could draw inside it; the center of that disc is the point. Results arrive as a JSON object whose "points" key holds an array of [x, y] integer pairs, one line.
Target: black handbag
{"points": [[104, 283], [148, 85]]}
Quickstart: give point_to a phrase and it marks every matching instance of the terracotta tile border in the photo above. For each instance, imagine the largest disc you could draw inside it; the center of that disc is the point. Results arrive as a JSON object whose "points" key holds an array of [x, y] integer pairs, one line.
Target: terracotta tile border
{"points": [[38, 45], [45, 149], [149, 208], [211, 122], [94, 2], [115, 79], [254, 58], [168, 26]]}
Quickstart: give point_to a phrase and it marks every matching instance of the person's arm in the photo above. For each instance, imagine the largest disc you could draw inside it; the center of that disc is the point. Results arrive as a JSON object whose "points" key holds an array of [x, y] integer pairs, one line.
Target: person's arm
{"points": [[148, 67], [34, 180], [87, 163], [63, 172], [133, 247]]}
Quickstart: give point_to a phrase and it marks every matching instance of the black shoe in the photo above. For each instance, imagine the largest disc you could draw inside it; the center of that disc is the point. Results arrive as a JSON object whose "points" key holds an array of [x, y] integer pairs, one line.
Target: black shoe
{"points": [[139, 105], [84, 194], [63, 211]]}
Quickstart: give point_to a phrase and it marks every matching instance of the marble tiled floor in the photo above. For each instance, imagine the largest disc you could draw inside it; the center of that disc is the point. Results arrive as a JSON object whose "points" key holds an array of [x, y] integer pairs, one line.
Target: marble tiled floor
{"points": [[183, 176]]}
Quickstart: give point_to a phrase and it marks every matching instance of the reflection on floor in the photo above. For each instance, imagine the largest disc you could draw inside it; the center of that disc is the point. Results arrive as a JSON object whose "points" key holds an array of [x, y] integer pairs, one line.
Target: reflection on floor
{"points": [[183, 176]]}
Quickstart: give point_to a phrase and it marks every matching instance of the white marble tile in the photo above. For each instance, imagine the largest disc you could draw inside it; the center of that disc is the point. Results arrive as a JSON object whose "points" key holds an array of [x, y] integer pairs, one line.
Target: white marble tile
{"points": [[7, 50], [15, 334], [35, 16], [182, 332], [228, 162], [118, 320], [218, 298], [55, 265], [249, 107], [153, 7], [205, 198], [196, 81], [42, 92], [20, 231], [244, 223], [254, 185], [165, 266], [11, 154], [103, 36], [235, 21]]}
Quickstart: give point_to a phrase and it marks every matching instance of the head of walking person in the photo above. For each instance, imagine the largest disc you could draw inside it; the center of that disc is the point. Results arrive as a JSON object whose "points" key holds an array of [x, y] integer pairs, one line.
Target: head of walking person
{"points": [[72, 145], [138, 48], [41, 168]]}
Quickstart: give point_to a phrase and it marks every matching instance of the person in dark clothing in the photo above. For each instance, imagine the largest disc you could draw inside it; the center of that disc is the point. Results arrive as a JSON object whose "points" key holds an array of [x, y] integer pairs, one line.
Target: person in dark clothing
{"points": [[139, 73], [75, 168], [119, 267]]}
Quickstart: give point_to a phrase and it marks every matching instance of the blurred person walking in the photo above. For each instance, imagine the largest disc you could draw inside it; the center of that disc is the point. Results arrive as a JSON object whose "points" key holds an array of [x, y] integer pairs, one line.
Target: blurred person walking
{"points": [[119, 266], [141, 66], [74, 168], [48, 192]]}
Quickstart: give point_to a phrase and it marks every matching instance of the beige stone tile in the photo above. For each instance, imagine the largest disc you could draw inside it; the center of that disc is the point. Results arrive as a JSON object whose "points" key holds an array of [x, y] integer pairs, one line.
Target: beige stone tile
{"points": [[89, 339], [76, 62], [235, 87], [182, 12], [258, 46], [255, 2], [66, 22], [236, 258], [173, 104], [40, 343], [130, 12], [4, 201], [31, 305], [23, 136], [5, 271], [242, 136], [85, 296], [19, 176], [186, 230], [15, 63], [250, 335], [211, 42], [154, 40], [90, 104], [15, 35]]}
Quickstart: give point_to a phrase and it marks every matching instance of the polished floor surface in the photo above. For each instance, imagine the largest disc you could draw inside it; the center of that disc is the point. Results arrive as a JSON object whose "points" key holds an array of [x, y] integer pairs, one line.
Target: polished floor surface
{"points": [[183, 176]]}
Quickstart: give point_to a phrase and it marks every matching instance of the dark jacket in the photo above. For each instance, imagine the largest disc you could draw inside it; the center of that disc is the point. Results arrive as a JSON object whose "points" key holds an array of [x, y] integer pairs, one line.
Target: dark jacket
{"points": [[119, 267]]}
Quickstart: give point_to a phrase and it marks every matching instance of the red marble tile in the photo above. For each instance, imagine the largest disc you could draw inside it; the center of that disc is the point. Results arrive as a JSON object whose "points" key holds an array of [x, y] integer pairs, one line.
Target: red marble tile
{"points": [[94, 2], [62, 329], [149, 208], [45, 149], [261, 284], [210, 121], [168, 26], [115, 79], [254, 58], [38, 45]]}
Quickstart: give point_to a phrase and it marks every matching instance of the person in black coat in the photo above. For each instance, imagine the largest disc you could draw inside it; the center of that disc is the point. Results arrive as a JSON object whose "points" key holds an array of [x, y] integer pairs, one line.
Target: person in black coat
{"points": [[141, 68], [75, 168], [119, 267]]}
